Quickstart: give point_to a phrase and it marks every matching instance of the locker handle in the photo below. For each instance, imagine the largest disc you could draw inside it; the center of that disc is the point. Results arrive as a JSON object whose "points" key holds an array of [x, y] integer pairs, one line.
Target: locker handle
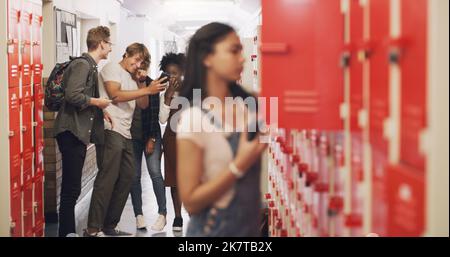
{"points": [[274, 48], [18, 12], [24, 128], [11, 41], [11, 133], [35, 207]]}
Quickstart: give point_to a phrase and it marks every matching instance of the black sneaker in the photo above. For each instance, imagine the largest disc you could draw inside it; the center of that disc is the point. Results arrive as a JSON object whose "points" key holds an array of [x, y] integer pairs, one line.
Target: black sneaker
{"points": [[115, 232], [177, 224]]}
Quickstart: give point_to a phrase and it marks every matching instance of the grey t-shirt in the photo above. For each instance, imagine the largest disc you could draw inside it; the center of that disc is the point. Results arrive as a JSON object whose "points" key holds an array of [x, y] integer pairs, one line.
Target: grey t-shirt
{"points": [[121, 113]]}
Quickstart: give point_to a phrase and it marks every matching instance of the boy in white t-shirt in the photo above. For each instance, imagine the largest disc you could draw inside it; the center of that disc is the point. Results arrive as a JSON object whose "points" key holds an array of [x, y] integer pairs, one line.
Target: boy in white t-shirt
{"points": [[113, 182]]}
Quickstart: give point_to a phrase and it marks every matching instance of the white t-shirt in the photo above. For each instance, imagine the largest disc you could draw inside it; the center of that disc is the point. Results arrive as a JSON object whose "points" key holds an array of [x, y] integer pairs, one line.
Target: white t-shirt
{"points": [[121, 113], [217, 152]]}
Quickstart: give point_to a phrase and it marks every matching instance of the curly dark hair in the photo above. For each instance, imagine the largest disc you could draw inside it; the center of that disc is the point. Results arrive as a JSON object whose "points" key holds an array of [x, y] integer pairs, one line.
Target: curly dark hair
{"points": [[172, 58]]}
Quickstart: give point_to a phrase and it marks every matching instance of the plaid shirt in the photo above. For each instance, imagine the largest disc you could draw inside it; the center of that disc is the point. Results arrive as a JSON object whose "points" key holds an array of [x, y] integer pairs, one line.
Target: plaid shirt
{"points": [[150, 117]]}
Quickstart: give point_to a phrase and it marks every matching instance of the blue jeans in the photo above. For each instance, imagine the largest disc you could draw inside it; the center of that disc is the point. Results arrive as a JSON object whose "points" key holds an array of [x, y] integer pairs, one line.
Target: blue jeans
{"points": [[154, 169]]}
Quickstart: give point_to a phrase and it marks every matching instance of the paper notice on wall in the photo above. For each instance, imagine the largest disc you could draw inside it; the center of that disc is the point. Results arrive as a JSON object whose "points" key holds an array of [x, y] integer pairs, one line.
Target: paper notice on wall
{"points": [[62, 53], [76, 42], [58, 26], [69, 39]]}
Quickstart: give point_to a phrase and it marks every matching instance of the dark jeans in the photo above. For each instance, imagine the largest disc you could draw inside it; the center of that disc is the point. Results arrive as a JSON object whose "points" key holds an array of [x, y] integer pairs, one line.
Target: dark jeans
{"points": [[73, 153], [113, 182], [154, 168]]}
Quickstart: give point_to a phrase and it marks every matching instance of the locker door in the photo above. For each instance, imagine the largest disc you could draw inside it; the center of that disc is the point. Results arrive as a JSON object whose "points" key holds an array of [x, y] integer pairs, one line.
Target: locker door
{"points": [[406, 192], [28, 203], [355, 66], [16, 207], [37, 43], [25, 47], [14, 133], [379, 109], [413, 65], [356, 108], [14, 13], [38, 207], [27, 128], [293, 63]]}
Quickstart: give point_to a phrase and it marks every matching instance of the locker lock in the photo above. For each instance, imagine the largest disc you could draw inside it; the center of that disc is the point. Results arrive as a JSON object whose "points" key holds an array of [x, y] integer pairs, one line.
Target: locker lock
{"points": [[24, 128], [394, 55], [363, 55], [35, 207], [345, 59], [11, 133]]}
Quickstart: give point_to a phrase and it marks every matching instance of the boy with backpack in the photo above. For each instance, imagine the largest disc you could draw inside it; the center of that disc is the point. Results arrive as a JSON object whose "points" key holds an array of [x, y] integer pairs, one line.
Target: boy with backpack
{"points": [[79, 120]]}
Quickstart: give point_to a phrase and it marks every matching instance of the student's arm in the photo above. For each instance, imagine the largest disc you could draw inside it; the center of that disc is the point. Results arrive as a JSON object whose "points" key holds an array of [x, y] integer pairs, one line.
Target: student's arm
{"points": [[164, 110], [196, 195], [119, 96], [142, 102], [75, 85]]}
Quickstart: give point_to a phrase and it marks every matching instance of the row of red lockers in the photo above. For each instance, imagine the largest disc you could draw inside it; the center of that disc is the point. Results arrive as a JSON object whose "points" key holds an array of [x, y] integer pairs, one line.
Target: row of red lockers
{"points": [[25, 117], [309, 68]]}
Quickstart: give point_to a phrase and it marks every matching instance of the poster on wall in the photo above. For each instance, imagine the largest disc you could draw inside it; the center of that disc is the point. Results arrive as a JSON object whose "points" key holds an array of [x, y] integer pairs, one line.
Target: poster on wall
{"points": [[66, 40]]}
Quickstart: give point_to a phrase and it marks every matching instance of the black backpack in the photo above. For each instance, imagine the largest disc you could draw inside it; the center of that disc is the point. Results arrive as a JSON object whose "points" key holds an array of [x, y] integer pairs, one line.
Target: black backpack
{"points": [[54, 89]]}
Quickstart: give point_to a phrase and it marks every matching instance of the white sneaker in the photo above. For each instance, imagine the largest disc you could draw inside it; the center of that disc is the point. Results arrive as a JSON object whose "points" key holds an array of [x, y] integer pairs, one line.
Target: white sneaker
{"points": [[160, 223], [140, 222]]}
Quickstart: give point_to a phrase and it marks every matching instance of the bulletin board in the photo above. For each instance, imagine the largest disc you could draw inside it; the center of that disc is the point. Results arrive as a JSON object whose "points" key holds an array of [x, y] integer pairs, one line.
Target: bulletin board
{"points": [[67, 41]]}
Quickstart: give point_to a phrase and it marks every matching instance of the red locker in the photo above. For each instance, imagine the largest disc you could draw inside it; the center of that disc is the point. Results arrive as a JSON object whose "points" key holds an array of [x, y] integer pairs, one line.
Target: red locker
{"points": [[406, 191], [379, 109], [14, 133], [357, 50], [294, 64], [37, 43], [14, 13], [379, 72], [27, 128], [25, 47], [16, 207], [413, 64], [28, 203], [355, 65]]}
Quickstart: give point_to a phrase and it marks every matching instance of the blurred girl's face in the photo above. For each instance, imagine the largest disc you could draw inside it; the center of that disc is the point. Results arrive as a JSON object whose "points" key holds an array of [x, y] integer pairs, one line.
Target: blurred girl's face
{"points": [[227, 61], [174, 71]]}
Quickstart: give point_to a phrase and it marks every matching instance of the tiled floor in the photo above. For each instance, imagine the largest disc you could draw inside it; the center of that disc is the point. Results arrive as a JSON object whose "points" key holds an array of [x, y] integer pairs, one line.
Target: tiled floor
{"points": [[128, 221]]}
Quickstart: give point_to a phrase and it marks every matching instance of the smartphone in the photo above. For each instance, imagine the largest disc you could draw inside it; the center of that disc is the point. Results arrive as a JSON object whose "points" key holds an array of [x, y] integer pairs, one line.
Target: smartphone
{"points": [[165, 74]]}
